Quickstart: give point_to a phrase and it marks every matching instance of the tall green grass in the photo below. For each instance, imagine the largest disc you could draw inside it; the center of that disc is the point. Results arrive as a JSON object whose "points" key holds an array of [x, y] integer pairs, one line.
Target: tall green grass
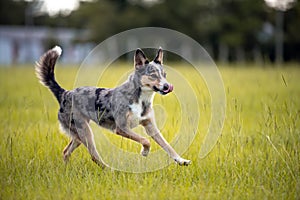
{"points": [[256, 157]]}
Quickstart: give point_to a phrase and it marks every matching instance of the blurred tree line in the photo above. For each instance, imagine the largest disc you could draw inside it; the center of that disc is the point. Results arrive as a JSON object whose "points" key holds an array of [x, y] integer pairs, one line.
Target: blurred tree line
{"points": [[231, 30]]}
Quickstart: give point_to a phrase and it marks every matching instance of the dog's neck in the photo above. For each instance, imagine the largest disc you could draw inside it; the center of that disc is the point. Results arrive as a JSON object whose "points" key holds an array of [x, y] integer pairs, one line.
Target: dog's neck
{"points": [[146, 94]]}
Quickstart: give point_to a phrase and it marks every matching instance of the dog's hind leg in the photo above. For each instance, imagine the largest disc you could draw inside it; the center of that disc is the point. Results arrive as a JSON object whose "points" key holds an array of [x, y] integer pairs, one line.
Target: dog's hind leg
{"points": [[125, 132], [68, 127], [74, 143], [86, 137]]}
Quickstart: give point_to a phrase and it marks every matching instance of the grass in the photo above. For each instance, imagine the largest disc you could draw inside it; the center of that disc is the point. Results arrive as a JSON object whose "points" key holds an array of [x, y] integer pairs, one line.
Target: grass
{"points": [[257, 156]]}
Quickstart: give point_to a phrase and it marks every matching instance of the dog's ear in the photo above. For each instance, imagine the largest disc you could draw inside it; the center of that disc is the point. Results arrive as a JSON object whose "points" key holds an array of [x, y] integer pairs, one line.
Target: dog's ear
{"points": [[159, 56], [139, 59]]}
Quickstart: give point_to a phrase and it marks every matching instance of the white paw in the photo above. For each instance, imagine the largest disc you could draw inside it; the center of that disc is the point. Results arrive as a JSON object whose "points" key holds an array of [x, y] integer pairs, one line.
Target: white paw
{"points": [[145, 152], [180, 161]]}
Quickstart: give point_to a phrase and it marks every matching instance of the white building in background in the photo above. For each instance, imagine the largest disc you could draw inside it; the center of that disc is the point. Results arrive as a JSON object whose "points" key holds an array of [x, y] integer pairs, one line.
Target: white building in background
{"points": [[24, 45]]}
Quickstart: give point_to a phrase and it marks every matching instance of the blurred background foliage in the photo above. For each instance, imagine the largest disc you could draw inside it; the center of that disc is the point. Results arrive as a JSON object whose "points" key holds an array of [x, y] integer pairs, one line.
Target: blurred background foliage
{"points": [[231, 30]]}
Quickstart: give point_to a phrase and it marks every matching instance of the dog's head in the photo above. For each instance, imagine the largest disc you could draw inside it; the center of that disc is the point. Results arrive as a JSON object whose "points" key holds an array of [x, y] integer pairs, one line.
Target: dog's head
{"points": [[152, 74]]}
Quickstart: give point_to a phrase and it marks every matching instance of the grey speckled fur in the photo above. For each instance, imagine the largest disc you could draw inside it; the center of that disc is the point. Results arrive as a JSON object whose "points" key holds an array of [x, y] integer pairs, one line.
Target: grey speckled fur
{"points": [[118, 109]]}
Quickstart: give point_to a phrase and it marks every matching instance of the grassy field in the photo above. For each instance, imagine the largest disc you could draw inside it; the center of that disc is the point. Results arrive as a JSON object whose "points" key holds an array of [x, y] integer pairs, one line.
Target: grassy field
{"points": [[257, 156]]}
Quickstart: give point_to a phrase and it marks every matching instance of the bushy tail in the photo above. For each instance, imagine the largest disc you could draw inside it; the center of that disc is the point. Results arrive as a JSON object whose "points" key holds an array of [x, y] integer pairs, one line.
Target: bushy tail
{"points": [[44, 69]]}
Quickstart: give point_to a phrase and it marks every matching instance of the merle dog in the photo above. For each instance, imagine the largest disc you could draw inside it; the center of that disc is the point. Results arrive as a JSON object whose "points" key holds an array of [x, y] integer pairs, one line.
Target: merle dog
{"points": [[118, 109]]}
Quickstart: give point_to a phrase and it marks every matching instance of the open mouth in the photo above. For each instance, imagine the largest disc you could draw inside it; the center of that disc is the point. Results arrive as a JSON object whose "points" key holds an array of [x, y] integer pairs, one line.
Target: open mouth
{"points": [[164, 92]]}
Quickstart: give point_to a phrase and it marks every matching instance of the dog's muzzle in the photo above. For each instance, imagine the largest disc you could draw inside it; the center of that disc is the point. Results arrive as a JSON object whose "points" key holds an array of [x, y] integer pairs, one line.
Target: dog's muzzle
{"points": [[167, 88]]}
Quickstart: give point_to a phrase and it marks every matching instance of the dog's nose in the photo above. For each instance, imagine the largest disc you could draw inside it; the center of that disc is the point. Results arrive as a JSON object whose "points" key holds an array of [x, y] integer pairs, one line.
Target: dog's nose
{"points": [[165, 87]]}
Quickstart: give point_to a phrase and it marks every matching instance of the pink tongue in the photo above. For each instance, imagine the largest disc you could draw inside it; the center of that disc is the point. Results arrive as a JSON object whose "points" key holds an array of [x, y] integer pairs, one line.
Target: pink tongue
{"points": [[170, 89]]}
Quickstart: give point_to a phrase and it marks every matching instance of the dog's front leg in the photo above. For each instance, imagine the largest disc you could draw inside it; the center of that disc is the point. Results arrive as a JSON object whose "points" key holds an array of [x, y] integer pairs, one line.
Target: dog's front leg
{"points": [[152, 130], [126, 132]]}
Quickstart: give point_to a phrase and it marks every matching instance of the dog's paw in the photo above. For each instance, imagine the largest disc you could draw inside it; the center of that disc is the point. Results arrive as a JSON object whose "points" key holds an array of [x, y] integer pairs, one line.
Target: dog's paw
{"points": [[182, 162], [100, 163], [145, 151], [66, 158]]}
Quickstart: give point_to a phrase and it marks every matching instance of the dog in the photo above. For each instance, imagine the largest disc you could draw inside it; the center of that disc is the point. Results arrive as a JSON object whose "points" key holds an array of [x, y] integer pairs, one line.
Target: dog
{"points": [[118, 109]]}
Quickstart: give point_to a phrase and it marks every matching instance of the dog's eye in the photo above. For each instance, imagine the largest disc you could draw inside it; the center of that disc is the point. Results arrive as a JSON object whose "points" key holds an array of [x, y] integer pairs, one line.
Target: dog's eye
{"points": [[153, 76]]}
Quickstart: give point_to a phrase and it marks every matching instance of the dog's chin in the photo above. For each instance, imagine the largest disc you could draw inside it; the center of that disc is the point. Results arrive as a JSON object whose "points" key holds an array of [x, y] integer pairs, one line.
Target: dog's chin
{"points": [[162, 92]]}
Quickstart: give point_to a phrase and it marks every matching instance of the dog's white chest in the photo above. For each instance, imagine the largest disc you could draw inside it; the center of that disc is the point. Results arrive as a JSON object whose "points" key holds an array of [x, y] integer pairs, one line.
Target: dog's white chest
{"points": [[136, 110], [139, 111]]}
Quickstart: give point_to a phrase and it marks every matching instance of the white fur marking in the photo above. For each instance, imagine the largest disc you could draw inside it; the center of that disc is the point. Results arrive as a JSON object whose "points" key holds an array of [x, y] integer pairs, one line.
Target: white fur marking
{"points": [[57, 49], [136, 109]]}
